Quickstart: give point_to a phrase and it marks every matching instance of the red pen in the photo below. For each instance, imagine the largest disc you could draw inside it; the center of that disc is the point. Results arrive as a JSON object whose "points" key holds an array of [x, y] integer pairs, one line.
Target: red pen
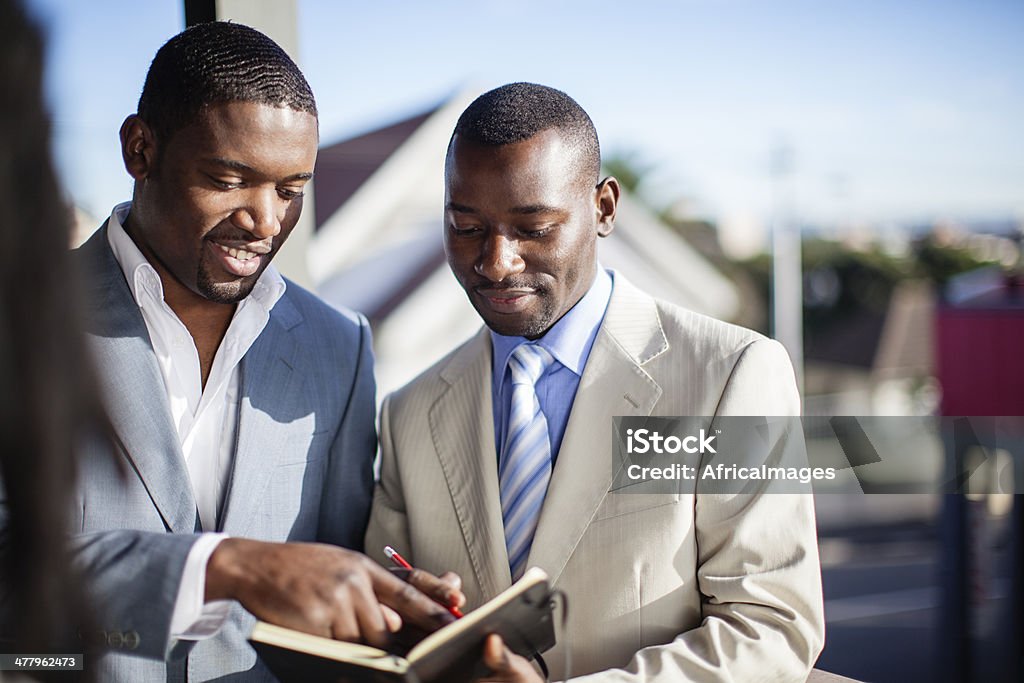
{"points": [[400, 561]]}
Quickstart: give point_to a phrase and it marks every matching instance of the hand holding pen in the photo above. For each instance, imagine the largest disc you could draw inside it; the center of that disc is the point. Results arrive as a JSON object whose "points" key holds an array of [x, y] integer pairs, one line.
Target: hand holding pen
{"points": [[454, 601]]}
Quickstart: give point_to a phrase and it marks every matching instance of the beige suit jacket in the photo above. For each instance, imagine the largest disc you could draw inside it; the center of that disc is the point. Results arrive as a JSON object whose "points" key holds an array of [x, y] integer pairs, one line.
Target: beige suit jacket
{"points": [[661, 587]]}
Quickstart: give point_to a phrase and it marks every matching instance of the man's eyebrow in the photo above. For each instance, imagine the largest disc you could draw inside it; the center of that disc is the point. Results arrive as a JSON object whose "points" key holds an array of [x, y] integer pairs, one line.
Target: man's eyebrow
{"points": [[531, 209], [460, 208], [528, 210], [245, 168]]}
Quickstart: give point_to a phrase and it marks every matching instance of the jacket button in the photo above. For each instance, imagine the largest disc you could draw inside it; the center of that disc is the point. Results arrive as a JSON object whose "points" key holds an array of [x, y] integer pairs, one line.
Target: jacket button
{"points": [[131, 640], [115, 639]]}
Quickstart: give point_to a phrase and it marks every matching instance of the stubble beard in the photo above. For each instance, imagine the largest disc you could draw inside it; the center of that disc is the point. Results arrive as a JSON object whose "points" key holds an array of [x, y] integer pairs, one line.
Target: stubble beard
{"points": [[224, 292], [530, 328]]}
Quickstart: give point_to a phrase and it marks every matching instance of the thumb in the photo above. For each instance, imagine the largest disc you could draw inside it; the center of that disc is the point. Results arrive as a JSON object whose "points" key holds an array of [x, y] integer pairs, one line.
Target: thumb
{"points": [[496, 656]]}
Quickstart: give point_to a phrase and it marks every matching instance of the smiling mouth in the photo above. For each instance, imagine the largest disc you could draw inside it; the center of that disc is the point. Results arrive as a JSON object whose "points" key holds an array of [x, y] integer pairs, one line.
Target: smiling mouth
{"points": [[239, 261], [240, 254]]}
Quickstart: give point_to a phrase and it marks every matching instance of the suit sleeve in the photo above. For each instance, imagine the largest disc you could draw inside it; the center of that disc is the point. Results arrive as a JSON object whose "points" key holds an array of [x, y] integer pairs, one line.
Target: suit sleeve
{"points": [[121, 570], [130, 577], [758, 570], [388, 522], [125, 570], [345, 502]]}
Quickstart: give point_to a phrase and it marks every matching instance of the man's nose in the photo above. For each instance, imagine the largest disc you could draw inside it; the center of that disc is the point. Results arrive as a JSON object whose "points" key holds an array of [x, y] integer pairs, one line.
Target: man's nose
{"points": [[262, 214], [499, 258]]}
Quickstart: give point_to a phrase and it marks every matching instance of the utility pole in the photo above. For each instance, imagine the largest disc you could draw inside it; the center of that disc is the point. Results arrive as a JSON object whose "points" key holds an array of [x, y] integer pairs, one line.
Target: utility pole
{"points": [[787, 273]]}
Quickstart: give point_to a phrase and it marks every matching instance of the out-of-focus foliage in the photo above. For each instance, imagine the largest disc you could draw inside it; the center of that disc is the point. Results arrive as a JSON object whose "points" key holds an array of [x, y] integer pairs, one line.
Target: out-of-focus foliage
{"points": [[841, 282], [938, 262], [628, 168]]}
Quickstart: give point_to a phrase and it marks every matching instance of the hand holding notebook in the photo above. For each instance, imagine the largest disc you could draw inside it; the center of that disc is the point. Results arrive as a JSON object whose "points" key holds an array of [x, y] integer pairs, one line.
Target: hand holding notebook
{"points": [[521, 615]]}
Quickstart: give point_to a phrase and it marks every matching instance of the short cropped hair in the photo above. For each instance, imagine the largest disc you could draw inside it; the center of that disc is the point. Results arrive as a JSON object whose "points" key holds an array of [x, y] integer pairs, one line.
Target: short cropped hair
{"points": [[218, 62], [518, 111]]}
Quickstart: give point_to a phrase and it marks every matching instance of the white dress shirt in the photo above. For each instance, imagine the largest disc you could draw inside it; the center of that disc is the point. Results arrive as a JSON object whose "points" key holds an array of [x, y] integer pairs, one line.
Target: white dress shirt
{"points": [[206, 420]]}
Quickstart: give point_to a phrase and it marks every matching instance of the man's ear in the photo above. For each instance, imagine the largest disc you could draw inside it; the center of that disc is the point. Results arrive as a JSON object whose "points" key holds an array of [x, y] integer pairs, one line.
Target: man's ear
{"points": [[138, 147], [607, 198]]}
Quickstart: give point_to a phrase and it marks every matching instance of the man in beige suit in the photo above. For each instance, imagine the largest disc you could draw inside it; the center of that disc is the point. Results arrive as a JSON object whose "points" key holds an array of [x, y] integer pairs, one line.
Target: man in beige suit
{"points": [[661, 587]]}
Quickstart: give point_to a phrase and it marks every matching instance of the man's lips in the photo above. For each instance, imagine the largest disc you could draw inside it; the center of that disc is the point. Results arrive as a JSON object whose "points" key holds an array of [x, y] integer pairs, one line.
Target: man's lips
{"points": [[246, 248], [506, 300]]}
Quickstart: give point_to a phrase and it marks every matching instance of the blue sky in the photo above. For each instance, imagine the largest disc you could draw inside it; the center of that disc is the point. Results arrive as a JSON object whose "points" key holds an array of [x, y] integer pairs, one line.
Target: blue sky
{"points": [[894, 111]]}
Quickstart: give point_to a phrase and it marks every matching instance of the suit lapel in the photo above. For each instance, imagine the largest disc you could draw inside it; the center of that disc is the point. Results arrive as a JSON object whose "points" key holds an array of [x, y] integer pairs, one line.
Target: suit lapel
{"points": [[133, 388], [268, 375], [613, 383], [462, 430]]}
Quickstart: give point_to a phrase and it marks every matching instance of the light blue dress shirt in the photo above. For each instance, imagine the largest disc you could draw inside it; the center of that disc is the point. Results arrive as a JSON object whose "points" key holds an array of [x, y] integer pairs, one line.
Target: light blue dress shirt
{"points": [[569, 340]]}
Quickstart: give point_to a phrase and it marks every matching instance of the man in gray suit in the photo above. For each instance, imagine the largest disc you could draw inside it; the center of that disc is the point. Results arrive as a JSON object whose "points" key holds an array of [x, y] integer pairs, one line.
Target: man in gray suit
{"points": [[242, 406], [498, 457]]}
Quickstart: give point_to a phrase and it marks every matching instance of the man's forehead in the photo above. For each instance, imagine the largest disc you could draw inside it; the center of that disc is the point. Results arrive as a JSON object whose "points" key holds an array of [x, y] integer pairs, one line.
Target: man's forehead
{"points": [[249, 137], [547, 141], [253, 111], [547, 156], [225, 115]]}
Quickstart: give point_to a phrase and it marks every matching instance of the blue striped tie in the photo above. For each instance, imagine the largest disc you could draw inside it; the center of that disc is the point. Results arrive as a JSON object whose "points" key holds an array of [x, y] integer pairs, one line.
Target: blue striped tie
{"points": [[525, 467]]}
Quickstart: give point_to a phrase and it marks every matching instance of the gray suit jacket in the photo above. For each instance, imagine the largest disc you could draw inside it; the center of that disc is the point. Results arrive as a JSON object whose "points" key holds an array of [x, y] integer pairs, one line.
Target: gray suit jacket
{"points": [[692, 586], [302, 469]]}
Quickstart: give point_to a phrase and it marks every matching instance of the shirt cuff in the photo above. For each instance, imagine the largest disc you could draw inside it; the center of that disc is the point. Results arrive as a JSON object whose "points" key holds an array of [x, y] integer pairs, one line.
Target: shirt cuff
{"points": [[193, 618]]}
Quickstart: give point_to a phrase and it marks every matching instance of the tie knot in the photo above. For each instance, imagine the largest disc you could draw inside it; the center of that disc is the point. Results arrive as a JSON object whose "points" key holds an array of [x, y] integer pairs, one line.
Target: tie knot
{"points": [[528, 362]]}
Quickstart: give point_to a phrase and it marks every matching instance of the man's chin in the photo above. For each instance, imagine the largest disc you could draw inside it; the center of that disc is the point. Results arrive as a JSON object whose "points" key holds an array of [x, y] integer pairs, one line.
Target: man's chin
{"points": [[516, 327], [227, 292]]}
